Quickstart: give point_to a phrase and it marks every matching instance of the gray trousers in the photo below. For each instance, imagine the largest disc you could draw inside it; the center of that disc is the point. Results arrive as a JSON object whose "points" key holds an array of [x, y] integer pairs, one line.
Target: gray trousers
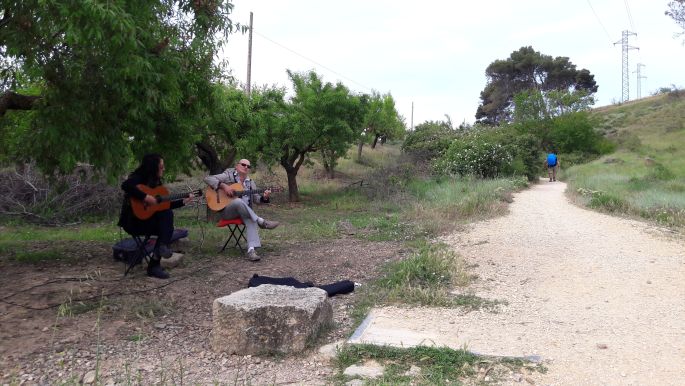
{"points": [[238, 208]]}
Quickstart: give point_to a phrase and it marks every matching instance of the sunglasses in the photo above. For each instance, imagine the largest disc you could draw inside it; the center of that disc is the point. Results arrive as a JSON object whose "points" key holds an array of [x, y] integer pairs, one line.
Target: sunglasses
{"points": [[245, 165]]}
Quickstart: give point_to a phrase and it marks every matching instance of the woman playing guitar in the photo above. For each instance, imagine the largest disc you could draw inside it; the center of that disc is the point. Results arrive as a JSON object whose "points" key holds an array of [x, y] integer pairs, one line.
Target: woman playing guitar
{"points": [[143, 189]]}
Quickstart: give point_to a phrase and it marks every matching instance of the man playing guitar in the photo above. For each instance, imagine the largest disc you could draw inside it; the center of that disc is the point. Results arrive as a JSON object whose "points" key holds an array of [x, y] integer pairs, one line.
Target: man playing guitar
{"points": [[241, 206]]}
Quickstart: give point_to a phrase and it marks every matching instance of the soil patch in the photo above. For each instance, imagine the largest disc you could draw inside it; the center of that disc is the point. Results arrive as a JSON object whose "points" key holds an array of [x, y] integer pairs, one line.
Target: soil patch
{"points": [[61, 320]]}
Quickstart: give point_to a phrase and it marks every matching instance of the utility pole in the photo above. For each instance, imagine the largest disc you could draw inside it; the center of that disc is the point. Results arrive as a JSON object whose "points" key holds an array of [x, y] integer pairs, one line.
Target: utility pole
{"points": [[639, 81], [625, 83], [249, 59], [412, 116]]}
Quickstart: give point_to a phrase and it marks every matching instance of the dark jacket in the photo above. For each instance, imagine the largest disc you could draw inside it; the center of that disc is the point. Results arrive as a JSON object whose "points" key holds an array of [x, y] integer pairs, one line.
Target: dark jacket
{"points": [[127, 219]]}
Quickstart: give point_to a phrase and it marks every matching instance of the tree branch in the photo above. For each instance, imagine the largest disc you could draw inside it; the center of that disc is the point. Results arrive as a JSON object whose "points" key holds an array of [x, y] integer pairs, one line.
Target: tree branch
{"points": [[13, 101]]}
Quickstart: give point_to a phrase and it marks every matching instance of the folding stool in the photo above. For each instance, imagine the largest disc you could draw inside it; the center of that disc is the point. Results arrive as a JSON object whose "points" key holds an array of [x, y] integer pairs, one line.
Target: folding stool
{"points": [[144, 251], [236, 229], [140, 248]]}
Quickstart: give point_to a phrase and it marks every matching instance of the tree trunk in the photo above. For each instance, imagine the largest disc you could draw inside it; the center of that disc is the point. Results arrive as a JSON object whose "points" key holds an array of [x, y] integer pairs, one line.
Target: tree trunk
{"points": [[291, 162], [211, 160], [293, 191], [375, 141], [328, 163], [359, 150]]}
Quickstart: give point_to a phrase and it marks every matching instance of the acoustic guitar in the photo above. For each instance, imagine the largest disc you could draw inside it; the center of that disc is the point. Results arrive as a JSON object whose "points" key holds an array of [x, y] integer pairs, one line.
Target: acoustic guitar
{"points": [[144, 211], [218, 199]]}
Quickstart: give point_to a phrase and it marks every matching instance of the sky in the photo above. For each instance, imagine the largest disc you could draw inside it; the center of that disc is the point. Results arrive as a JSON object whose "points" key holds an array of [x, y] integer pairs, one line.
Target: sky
{"points": [[431, 55]]}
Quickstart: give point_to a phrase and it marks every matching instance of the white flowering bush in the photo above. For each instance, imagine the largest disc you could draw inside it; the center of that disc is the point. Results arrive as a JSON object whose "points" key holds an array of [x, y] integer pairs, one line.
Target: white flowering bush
{"points": [[474, 156]]}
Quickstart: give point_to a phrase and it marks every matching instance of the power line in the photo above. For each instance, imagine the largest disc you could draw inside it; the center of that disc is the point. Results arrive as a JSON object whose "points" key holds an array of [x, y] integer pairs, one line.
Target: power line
{"points": [[630, 16], [599, 20], [313, 61]]}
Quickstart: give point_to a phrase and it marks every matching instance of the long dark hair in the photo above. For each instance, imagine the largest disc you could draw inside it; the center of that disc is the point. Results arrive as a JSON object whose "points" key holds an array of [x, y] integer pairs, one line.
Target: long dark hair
{"points": [[149, 169]]}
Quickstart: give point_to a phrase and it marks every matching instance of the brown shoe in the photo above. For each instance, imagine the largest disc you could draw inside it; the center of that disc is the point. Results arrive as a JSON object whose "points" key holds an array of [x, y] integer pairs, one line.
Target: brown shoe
{"points": [[269, 224], [252, 256]]}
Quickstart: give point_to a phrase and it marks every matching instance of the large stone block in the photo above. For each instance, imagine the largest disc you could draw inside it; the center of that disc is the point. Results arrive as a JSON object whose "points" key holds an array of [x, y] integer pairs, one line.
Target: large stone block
{"points": [[269, 319]]}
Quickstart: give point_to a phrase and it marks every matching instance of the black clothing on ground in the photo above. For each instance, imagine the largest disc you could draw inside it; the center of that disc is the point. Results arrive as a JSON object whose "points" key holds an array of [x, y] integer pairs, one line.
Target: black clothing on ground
{"points": [[337, 288]]}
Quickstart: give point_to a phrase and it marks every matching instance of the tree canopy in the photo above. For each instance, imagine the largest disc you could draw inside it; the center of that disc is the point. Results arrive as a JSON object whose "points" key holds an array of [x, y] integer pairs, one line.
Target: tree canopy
{"points": [[676, 11], [382, 119], [527, 69], [110, 80], [322, 118]]}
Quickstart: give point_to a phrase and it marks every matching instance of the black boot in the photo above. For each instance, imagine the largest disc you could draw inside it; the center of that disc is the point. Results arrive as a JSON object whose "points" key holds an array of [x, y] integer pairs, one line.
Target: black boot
{"points": [[154, 269], [163, 250]]}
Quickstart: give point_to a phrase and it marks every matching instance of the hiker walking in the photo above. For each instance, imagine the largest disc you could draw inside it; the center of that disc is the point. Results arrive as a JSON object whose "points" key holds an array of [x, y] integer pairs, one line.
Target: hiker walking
{"points": [[552, 164]]}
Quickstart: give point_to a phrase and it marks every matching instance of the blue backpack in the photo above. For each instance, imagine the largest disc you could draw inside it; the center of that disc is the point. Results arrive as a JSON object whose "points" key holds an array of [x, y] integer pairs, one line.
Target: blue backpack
{"points": [[551, 160]]}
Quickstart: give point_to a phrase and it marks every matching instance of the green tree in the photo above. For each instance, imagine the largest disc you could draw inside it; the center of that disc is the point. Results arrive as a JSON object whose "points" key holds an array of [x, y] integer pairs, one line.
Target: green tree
{"points": [[321, 117], [224, 130], [527, 69], [381, 121], [116, 78], [574, 132]]}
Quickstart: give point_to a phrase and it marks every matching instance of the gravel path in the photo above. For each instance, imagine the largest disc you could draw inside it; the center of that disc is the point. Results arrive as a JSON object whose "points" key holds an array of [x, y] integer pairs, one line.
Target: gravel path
{"points": [[599, 299]]}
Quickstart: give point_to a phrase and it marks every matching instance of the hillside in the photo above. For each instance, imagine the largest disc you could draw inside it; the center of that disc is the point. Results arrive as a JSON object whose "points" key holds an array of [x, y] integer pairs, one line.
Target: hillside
{"points": [[645, 176], [658, 120]]}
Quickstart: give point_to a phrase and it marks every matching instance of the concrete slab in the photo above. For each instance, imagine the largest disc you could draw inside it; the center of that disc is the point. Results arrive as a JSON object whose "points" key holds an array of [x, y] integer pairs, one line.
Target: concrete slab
{"points": [[398, 327]]}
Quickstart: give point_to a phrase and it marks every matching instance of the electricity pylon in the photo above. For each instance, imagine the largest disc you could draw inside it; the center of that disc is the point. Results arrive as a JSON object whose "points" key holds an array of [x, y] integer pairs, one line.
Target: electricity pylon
{"points": [[625, 83]]}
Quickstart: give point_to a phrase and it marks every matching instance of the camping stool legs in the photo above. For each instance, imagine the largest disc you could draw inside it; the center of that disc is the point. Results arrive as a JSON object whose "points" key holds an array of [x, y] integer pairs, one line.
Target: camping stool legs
{"points": [[236, 232], [142, 252]]}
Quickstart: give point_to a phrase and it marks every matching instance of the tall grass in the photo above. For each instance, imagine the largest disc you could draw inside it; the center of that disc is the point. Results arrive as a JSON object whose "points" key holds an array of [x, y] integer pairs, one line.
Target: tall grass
{"points": [[439, 205], [90, 232], [646, 176]]}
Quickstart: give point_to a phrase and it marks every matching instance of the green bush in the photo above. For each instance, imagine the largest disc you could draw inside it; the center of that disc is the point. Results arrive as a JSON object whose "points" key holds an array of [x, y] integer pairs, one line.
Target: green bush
{"points": [[574, 132], [526, 156], [661, 173], [606, 201], [489, 152], [429, 140], [575, 158], [474, 155]]}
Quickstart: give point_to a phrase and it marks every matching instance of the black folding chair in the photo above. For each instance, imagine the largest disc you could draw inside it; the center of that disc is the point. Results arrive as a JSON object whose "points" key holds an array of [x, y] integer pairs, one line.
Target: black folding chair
{"points": [[134, 251]]}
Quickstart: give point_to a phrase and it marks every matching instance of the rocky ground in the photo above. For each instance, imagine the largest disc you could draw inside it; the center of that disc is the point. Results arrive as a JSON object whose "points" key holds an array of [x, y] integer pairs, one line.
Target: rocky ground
{"points": [[83, 321]]}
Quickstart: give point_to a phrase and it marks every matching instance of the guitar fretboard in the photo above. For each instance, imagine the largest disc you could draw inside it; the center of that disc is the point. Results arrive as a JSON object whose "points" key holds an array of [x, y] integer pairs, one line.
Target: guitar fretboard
{"points": [[173, 197], [246, 192]]}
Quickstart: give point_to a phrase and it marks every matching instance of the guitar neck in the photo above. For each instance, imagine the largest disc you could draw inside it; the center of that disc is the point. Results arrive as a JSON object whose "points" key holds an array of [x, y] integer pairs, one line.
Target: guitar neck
{"points": [[174, 197], [248, 192]]}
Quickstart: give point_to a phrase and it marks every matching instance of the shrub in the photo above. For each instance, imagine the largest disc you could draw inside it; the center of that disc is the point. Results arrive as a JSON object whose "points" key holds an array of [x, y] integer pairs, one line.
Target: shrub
{"points": [[36, 198], [574, 132], [526, 156], [660, 173], [429, 140], [575, 158], [606, 201], [474, 155]]}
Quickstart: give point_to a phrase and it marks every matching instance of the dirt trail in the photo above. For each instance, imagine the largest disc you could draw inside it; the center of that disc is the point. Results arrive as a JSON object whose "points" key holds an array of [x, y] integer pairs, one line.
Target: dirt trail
{"points": [[599, 299]]}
